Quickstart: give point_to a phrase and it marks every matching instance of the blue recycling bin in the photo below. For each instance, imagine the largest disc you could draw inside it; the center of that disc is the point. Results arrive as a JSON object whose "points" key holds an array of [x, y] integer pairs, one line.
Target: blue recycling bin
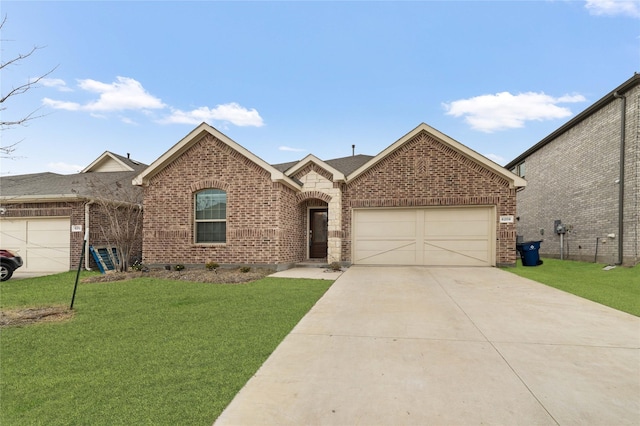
{"points": [[529, 253]]}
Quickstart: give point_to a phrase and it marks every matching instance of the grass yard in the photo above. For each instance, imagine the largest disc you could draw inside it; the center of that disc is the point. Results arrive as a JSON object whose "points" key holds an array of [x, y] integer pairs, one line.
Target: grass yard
{"points": [[144, 351], [618, 288]]}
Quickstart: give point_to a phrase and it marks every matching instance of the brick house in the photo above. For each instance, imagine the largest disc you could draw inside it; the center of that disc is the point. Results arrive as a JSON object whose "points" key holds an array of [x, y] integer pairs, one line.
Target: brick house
{"points": [[586, 175], [44, 216], [425, 200]]}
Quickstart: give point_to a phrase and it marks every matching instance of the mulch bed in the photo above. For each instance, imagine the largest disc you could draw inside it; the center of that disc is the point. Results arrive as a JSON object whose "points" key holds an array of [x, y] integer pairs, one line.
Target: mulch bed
{"points": [[219, 276]]}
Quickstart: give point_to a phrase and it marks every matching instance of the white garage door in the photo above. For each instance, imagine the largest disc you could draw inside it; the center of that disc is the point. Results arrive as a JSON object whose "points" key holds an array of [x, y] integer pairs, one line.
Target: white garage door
{"points": [[451, 236], [43, 243]]}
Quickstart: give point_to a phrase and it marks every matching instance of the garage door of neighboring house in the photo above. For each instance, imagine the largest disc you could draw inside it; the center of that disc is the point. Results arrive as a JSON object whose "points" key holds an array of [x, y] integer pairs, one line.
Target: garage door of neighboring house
{"points": [[448, 236], [43, 243]]}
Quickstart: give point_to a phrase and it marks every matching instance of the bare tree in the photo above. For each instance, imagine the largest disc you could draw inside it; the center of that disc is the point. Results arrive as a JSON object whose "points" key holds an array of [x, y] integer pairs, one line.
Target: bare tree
{"points": [[5, 124], [120, 209]]}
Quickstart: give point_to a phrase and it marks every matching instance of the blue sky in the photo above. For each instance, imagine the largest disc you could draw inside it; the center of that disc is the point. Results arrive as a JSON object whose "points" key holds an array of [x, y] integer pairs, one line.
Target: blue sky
{"points": [[285, 79]]}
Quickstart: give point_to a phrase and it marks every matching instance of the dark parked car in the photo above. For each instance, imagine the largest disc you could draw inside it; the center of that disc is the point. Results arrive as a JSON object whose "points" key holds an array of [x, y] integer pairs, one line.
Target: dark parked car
{"points": [[9, 263]]}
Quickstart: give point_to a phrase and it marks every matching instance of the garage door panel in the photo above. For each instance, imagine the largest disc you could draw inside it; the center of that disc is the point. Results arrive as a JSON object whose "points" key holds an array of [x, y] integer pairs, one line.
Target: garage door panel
{"points": [[46, 260], [402, 224], [457, 245], [447, 258], [48, 237], [450, 236], [456, 229], [43, 243], [389, 254], [397, 229], [13, 235]]}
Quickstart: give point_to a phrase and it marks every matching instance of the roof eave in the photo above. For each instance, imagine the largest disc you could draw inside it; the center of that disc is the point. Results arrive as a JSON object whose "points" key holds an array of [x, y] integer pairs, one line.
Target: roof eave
{"points": [[48, 198], [185, 143], [337, 175], [514, 180]]}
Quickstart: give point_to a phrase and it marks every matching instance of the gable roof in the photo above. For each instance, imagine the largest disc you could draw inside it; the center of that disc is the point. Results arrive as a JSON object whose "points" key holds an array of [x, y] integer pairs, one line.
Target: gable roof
{"points": [[110, 162], [110, 172], [338, 176], [49, 187], [514, 180], [345, 165], [194, 136], [606, 99]]}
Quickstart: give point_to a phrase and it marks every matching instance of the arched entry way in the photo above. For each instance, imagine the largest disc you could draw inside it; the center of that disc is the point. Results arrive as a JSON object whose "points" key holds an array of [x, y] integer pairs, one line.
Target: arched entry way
{"points": [[315, 207], [318, 232]]}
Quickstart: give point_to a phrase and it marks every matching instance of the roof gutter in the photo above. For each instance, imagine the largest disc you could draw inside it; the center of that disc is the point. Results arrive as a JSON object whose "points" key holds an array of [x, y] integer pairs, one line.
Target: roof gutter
{"points": [[623, 120], [627, 85]]}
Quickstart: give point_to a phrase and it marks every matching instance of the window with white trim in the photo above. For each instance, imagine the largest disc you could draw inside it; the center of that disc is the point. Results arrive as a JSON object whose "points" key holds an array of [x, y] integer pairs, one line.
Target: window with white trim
{"points": [[211, 216]]}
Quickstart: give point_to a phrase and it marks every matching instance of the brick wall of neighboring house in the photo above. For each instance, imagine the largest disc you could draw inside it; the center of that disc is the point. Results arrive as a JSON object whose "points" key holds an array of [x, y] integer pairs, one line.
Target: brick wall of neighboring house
{"points": [[254, 228], [75, 211], [574, 179], [425, 172]]}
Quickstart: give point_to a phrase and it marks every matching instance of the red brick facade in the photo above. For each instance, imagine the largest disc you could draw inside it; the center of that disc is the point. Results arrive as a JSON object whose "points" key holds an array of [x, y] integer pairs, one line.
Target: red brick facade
{"points": [[425, 172], [267, 220], [263, 217]]}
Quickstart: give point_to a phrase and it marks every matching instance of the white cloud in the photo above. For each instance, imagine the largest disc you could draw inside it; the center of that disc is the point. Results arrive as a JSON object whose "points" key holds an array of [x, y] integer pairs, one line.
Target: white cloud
{"points": [[614, 7], [232, 113], [496, 158], [56, 83], [489, 113], [289, 149], [123, 94], [69, 106], [64, 168], [127, 94]]}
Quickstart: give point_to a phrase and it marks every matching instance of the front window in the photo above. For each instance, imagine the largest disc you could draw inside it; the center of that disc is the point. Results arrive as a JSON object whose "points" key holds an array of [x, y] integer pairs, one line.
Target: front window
{"points": [[211, 216]]}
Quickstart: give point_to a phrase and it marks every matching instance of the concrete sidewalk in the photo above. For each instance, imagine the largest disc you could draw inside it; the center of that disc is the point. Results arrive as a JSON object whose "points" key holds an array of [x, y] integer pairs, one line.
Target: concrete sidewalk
{"points": [[413, 345]]}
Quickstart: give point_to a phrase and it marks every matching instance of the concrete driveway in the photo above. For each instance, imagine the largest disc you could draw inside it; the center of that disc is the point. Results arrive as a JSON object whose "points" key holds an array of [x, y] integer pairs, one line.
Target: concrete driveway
{"points": [[415, 345]]}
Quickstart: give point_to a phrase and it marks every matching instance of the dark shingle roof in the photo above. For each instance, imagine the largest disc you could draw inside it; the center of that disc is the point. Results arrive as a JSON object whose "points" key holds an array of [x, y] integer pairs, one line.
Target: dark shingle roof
{"points": [[81, 185], [346, 165]]}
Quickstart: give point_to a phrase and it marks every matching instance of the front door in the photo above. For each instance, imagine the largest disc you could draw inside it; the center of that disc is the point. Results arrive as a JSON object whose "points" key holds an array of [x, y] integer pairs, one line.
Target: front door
{"points": [[318, 221]]}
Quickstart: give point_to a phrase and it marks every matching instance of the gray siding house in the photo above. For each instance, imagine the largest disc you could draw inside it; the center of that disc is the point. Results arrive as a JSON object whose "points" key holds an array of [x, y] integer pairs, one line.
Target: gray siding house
{"points": [[584, 181]]}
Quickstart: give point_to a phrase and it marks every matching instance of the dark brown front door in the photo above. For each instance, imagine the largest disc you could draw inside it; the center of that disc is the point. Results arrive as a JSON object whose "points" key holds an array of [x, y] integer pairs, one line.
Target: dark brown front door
{"points": [[318, 221]]}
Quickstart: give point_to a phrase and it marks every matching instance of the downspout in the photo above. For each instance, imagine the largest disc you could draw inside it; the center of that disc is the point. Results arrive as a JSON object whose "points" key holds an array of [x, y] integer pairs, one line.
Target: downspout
{"points": [[623, 114], [87, 258]]}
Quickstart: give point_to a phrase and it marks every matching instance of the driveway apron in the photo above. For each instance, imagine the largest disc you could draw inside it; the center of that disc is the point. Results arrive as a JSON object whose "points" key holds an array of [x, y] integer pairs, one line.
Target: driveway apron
{"points": [[417, 345]]}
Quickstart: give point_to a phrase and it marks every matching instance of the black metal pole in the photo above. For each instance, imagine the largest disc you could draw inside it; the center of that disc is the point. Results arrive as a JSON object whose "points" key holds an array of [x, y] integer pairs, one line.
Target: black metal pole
{"points": [[75, 287]]}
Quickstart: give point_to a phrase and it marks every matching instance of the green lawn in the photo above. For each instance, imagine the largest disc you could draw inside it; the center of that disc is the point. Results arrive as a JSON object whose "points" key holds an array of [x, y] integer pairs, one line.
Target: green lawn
{"points": [[144, 351], [618, 288]]}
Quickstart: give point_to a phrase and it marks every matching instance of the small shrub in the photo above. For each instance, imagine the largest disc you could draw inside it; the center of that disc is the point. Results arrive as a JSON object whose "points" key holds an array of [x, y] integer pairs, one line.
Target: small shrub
{"points": [[139, 267], [179, 267], [211, 266], [335, 266], [245, 269]]}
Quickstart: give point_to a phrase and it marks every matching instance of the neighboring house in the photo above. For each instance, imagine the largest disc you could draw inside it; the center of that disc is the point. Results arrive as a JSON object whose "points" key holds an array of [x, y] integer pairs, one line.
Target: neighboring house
{"points": [[586, 175], [45, 215], [425, 200]]}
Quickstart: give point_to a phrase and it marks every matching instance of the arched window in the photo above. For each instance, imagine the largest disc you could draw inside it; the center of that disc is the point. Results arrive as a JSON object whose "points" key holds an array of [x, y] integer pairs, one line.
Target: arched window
{"points": [[211, 216]]}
